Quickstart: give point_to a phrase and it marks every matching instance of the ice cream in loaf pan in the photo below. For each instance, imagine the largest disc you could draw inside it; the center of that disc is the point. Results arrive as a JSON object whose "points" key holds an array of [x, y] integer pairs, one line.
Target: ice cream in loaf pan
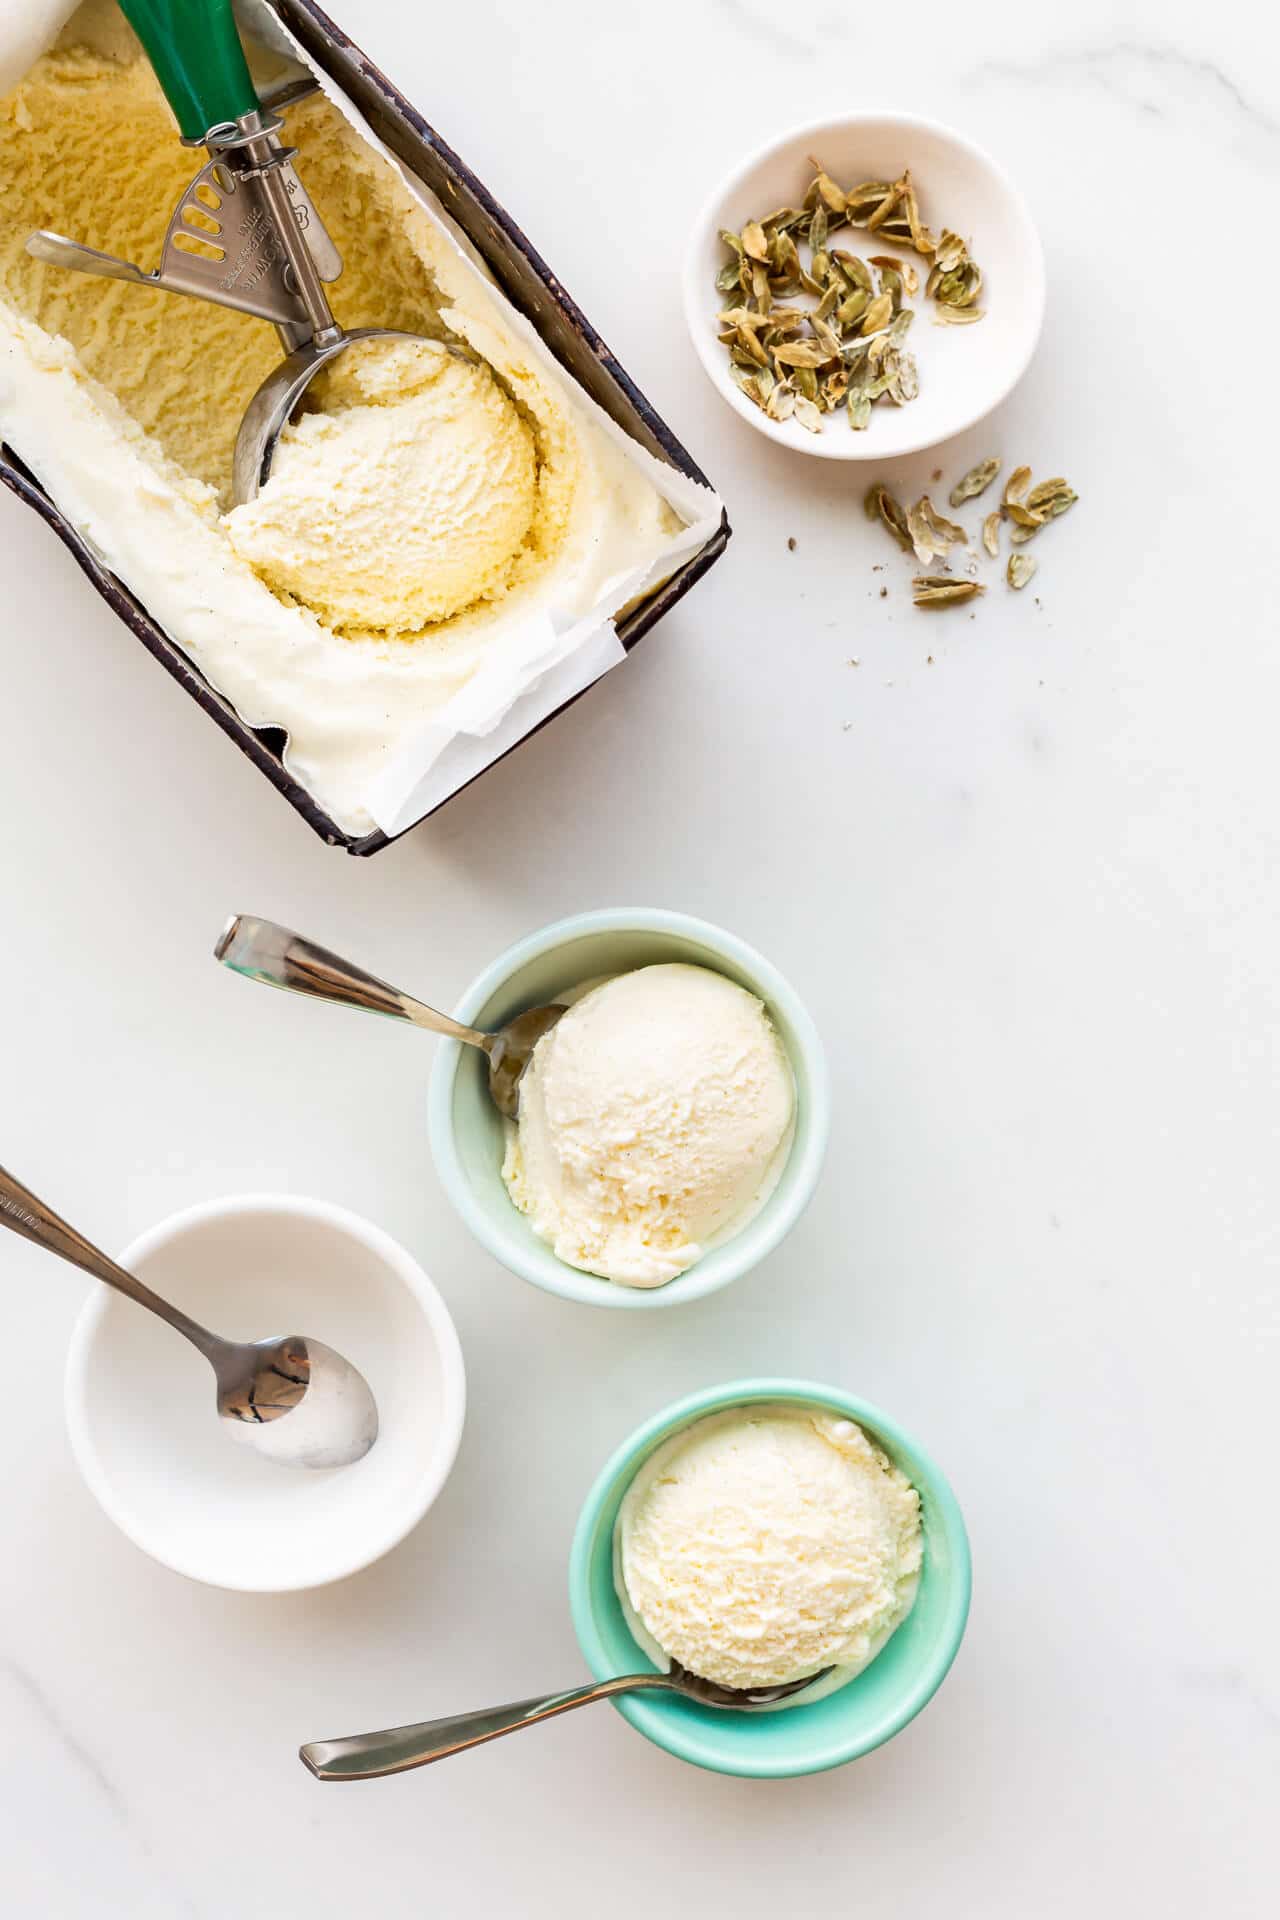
{"points": [[125, 402]]}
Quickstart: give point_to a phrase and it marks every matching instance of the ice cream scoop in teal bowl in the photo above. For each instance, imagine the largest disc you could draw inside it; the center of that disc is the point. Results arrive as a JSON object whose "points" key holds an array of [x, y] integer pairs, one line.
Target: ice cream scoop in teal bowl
{"points": [[803, 1477], [468, 1141], [805, 1736]]}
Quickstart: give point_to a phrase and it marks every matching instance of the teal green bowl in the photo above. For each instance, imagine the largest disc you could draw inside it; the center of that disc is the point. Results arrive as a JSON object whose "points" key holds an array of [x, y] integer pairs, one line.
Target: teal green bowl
{"points": [[466, 1129], [873, 1706]]}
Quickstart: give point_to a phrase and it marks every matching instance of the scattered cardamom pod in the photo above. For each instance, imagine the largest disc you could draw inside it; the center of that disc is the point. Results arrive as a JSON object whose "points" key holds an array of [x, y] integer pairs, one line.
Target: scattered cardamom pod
{"points": [[976, 481], [1031, 508], [905, 385], [932, 535], [941, 590], [878, 314], [852, 308], [1015, 487], [1051, 498], [802, 353], [877, 217], [826, 187], [881, 505]]}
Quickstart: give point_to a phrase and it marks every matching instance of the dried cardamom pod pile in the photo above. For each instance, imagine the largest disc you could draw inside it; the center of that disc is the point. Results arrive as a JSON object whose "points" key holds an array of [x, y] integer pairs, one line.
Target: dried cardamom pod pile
{"points": [[924, 532], [847, 349]]}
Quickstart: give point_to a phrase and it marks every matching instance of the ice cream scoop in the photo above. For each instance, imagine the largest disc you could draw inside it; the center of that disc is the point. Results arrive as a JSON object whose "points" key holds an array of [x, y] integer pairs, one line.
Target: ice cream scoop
{"points": [[262, 950], [655, 1120], [294, 1400], [244, 234], [406, 496], [768, 1546]]}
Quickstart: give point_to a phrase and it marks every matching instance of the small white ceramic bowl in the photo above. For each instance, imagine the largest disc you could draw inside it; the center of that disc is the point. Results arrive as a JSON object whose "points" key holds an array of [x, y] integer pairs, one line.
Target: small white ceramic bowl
{"points": [[466, 1129], [140, 1400], [964, 371]]}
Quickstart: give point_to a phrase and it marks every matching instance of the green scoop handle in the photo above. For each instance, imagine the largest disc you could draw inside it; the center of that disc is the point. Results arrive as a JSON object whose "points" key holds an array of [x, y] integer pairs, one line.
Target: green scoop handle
{"points": [[194, 46]]}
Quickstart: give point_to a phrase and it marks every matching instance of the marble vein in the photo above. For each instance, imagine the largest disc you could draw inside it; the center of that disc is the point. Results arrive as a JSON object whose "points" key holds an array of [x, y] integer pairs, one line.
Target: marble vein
{"points": [[1230, 1684], [154, 1891], [28, 1685], [767, 32], [1141, 75]]}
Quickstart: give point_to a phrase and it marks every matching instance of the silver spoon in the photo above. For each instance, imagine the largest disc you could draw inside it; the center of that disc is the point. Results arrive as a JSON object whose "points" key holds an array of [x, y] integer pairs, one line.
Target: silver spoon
{"points": [[261, 950], [294, 1400], [369, 1756]]}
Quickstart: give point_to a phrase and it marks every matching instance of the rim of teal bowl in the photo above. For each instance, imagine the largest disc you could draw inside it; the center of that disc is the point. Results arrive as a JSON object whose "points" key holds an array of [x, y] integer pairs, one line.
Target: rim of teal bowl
{"points": [[723, 1264], [699, 1742]]}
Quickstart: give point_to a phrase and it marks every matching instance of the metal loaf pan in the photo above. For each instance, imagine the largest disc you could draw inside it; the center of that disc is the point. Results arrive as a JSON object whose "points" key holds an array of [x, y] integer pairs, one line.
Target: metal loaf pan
{"points": [[528, 283]]}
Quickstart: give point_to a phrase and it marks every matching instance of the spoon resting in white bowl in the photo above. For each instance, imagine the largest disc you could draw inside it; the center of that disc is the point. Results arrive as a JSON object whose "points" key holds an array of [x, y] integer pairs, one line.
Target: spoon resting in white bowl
{"points": [[294, 1400]]}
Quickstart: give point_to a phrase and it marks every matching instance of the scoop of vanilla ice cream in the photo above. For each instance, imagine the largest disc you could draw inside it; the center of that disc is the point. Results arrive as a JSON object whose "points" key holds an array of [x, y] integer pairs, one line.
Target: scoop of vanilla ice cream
{"points": [[764, 1544], [654, 1119], [403, 497]]}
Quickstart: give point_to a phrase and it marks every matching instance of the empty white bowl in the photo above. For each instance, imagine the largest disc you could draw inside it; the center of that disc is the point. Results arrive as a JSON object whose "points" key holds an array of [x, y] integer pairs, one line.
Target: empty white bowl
{"points": [[964, 371], [140, 1400]]}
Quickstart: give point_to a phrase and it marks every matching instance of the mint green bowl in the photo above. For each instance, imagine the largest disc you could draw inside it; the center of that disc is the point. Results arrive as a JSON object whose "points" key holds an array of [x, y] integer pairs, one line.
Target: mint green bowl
{"points": [[466, 1129], [874, 1706]]}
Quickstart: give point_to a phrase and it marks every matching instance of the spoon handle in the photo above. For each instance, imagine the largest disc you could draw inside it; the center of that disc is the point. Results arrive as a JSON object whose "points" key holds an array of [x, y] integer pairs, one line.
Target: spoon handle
{"points": [[261, 950], [23, 1213], [368, 1756]]}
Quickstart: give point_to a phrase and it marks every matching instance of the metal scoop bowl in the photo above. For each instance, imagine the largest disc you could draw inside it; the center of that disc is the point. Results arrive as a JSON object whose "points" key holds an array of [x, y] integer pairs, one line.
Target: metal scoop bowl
{"points": [[279, 397]]}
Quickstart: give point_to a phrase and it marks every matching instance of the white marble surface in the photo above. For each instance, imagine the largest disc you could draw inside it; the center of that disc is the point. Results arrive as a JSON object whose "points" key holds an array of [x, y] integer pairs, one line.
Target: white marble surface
{"points": [[1029, 891]]}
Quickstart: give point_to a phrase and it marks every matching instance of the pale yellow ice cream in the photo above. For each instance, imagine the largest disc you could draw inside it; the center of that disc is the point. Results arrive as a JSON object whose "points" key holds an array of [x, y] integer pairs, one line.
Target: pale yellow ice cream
{"points": [[654, 1120], [125, 402], [406, 493], [765, 1544], [185, 370]]}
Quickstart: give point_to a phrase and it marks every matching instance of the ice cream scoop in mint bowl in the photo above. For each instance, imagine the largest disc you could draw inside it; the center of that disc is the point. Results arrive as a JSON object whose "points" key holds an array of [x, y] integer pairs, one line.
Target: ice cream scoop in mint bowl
{"points": [[862, 1581], [671, 1125]]}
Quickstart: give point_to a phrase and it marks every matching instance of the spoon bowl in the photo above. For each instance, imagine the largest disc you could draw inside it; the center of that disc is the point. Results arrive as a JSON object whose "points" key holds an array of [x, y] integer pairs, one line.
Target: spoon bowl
{"points": [[295, 1400], [711, 1694], [281, 394], [333, 1417]]}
